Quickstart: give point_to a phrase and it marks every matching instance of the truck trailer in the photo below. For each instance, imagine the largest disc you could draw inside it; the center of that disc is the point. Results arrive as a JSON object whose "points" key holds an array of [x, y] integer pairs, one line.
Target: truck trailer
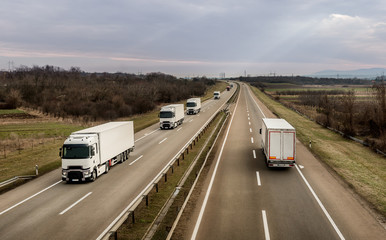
{"points": [[278, 142], [88, 153], [193, 105], [171, 116]]}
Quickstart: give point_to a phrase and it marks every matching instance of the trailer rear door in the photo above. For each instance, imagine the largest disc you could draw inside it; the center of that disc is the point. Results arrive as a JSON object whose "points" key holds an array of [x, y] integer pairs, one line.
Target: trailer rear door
{"points": [[274, 145], [288, 146]]}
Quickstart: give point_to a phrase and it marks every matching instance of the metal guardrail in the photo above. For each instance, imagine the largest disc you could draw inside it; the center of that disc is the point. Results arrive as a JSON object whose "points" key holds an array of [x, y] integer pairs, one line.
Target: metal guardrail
{"points": [[111, 230], [14, 179]]}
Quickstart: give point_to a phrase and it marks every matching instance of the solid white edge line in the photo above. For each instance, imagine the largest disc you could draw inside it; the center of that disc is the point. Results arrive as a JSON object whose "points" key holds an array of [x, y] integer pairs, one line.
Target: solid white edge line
{"points": [[258, 178], [254, 154], [135, 160], [256, 104], [75, 203], [30, 197], [197, 226], [163, 140], [320, 204], [265, 222]]}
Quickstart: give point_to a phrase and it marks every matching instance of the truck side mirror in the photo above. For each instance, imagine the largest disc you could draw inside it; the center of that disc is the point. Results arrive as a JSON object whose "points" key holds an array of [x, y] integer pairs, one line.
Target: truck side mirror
{"points": [[92, 151], [260, 131], [60, 152]]}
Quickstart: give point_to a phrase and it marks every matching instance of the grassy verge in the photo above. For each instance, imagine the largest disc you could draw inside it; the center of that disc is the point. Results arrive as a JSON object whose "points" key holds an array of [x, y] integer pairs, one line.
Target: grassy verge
{"points": [[145, 215], [10, 111], [361, 168]]}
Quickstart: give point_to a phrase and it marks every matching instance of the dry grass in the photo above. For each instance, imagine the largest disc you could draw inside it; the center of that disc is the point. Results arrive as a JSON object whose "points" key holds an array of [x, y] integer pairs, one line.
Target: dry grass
{"points": [[361, 168]]}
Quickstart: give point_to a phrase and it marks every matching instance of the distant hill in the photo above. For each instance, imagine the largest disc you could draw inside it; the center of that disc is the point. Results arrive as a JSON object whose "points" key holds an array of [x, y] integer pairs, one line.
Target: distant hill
{"points": [[369, 73]]}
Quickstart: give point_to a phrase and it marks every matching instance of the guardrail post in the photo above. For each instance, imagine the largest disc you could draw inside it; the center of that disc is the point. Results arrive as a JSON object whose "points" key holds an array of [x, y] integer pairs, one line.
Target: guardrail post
{"points": [[37, 170], [187, 150], [183, 155], [147, 200], [132, 217], [172, 168], [166, 177], [156, 187], [178, 161], [115, 235]]}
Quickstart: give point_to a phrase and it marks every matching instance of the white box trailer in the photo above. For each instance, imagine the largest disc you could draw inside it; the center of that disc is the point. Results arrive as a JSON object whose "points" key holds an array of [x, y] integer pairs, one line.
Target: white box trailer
{"points": [[278, 142], [193, 105], [88, 153], [171, 116]]}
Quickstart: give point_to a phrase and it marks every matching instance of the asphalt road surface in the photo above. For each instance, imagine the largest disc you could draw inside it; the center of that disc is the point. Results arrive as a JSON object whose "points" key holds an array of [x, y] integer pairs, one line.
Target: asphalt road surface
{"points": [[48, 208], [243, 199]]}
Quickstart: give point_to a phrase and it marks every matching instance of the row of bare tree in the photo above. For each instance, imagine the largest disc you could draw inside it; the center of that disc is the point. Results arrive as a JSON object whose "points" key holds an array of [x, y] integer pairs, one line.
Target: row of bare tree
{"points": [[74, 93]]}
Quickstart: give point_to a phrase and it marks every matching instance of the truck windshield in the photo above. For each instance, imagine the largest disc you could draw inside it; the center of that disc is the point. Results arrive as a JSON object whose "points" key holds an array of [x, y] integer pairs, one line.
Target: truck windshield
{"points": [[166, 114], [76, 151], [191, 104]]}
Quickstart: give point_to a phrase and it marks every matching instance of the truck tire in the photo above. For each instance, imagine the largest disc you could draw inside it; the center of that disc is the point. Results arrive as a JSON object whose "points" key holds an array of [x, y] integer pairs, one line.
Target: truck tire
{"points": [[93, 176], [107, 168]]}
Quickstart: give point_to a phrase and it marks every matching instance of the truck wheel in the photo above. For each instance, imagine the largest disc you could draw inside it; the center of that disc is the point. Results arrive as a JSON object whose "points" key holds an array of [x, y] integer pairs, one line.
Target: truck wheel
{"points": [[107, 167], [93, 176]]}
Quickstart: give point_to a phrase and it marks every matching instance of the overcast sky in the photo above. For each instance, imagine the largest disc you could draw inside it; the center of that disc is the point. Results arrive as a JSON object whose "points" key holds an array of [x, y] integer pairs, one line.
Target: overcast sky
{"points": [[194, 37]]}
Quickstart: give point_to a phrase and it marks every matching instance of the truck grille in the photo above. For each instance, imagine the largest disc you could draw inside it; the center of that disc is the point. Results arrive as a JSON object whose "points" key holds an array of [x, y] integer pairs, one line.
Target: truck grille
{"points": [[75, 175]]}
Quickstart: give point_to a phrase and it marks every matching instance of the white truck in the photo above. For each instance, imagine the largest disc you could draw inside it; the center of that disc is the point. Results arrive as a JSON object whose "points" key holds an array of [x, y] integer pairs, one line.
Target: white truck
{"points": [[216, 94], [171, 116], [193, 105], [88, 153], [278, 142]]}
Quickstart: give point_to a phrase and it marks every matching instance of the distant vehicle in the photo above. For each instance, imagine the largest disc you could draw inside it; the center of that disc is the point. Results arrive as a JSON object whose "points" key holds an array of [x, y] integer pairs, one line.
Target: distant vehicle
{"points": [[278, 142], [193, 105], [171, 116], [216, 94], [228, 88], [88, 153]]}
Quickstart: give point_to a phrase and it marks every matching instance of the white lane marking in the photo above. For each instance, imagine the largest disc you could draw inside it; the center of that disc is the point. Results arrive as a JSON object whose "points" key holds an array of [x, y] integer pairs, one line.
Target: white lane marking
{"points": [[249, 118], [265, 222], [320, 204], [248, 114], [198, 115], [249, 123], [146, 134], [179, 129], [203, 206], [250, 130], [191, 120], [136, 160], [25, 200], [251, 139], [258, 178], [254, 154], [73, 205], [163, 140], [301, 166], [256, 103]]}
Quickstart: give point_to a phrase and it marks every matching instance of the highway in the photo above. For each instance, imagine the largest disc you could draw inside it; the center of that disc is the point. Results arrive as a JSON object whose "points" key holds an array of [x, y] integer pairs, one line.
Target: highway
{"points": [[243, 199], [48, 208]]}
